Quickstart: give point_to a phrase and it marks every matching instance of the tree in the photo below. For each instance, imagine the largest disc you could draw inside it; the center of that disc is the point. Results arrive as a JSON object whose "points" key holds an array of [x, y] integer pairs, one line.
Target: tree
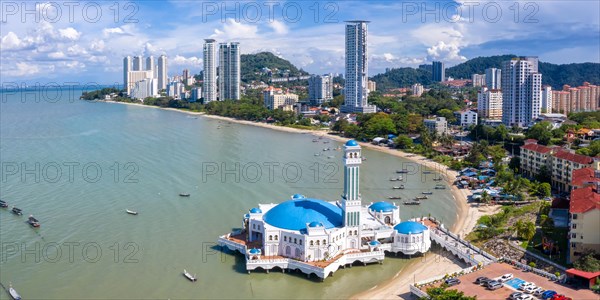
{"points": [[403, 142], [525, 230], [448, 114], [443, 293], [515, 163], [541, 131], [544, 189], [589, 262], [485, 197], [379, 125], [497, 153], [340, 125]]}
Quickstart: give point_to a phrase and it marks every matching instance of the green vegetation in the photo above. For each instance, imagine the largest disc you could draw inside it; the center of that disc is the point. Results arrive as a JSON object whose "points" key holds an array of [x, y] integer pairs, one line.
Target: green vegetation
{"points": [[443, 293], [99, 94], [252, 64], [589, 262], [590, 119], [592, 150], [477, 65], [402, 77], [541, 131]]}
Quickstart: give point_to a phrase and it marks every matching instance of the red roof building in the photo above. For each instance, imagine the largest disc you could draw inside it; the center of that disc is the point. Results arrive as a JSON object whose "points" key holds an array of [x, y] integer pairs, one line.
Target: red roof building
{"points": [[585, 177], [589, 276]]}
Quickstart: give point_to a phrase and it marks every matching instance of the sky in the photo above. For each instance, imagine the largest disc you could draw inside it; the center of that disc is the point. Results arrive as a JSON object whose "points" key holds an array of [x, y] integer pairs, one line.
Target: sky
{"points": [[76, 41]]}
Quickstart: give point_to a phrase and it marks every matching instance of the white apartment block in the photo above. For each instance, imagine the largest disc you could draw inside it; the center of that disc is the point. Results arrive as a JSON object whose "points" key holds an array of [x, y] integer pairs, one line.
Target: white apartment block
{"points": [[161, 73], [417, 90], [320, 89], [229, 71], [437, 126], [521, 91], [466, 117], [209, 86], [493, 78], [489, 104], [478, 79], [275, 98], [356, 91], [547, 99]]}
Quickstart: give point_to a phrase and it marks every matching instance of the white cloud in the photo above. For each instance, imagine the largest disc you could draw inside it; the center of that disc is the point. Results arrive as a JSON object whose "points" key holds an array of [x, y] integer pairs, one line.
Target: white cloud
{"points": [[97, 46], [11, 41], [69, 33], [449, 53], [110, 31], [24, 69], [183, 61], [279, 27], [56, 55], [235, 30]]}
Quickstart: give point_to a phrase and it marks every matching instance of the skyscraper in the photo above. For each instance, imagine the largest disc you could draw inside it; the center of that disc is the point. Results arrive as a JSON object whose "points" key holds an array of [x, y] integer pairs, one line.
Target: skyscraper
{"points": [[229, 71], [138, 63], [356, 90], [493, 78], [209, 86], [126, 70], [162, 72], [151, 65], [438, 71], [521, 91], [320, 89]]}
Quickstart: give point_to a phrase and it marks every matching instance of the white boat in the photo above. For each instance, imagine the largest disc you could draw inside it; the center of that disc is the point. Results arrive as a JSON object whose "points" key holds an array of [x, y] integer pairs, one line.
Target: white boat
{"points": [[189, 276], [13, 293], [131, 212]]}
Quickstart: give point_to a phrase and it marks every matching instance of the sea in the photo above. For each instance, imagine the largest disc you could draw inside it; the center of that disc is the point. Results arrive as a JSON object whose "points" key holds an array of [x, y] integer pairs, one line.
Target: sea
{"points": [[77, 166]]}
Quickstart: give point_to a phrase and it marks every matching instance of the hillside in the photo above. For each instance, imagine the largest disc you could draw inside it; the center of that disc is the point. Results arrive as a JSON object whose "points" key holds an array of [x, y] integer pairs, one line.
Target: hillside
{"points": [[552, 74], [252, 65]]}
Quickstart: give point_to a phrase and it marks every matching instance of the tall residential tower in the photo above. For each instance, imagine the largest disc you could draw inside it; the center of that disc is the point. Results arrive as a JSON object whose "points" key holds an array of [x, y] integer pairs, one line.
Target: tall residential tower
{"points": [[229, 71], [209, 86], [161, 73], [521, 91], [356, 91]]}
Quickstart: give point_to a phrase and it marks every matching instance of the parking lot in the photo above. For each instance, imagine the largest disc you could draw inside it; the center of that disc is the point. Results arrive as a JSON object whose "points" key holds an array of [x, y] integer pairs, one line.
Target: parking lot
{"points": [[494, 270]]}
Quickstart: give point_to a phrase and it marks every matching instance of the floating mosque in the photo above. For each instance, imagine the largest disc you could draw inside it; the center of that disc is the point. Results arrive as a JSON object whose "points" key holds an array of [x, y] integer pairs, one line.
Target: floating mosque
{"points": [[319, 237]]}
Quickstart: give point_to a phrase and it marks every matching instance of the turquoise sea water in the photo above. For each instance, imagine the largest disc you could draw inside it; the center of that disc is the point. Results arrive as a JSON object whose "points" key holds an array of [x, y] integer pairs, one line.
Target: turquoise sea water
{"points": [[77, 166]]}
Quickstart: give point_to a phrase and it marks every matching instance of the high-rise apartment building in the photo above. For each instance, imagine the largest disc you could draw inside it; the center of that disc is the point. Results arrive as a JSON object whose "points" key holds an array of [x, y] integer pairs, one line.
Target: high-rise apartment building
{"points": [[438, 71], [320, 89], [478, 79], [546, 99], [521, 91], [489, 104], [356, 90], [229, 71], [161, 72], [126, 69], [576, 99], [493, 78], [417, 90], [275, 98], [151, 65], [209, 86], [138, 63]]}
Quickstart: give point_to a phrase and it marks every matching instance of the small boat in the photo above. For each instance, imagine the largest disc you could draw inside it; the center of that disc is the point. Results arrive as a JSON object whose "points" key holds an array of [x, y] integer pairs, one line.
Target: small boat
{"points": [[394, 197], [315, 141], [330, 157], [421, 197], [189, 276], [17, 211], [440, 187], [33, 221], [438, 179], [427, 193], [13, 293], [399, 178], [317, 154], [320, 137], [412, 203], [364, 158], [3, 204], [403, 171], [131, 212], [326, 149], [398, 187], [427, 172], [184, 195], [325, 142]]}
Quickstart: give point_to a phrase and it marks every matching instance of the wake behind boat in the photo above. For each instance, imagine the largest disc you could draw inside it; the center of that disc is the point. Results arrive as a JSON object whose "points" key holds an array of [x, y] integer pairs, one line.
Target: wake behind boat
{"points": [[131, 212], [189, 276]]}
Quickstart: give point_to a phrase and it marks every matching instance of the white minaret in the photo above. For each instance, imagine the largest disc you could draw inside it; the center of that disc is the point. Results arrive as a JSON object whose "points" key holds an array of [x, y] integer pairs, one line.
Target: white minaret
{"points": [[351, 202]]}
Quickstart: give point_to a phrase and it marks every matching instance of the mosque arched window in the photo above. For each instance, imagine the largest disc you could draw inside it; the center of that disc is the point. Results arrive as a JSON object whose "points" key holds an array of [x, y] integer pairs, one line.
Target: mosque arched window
{"points": [[413, 239], [270, 238], [300, 242], [355, 232], [295, 241], [312, 243], [276, 237], [285, 238], [318, 243], [324, 242]]}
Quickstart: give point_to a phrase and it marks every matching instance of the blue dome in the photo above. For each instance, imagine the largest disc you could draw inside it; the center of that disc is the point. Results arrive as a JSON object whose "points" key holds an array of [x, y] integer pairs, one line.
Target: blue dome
{"points": [[246, 216], [315, 224], [351, 143], [410, 227], [254, 251], [382, 207], [298, 196], [256, 210], [294, 214]]}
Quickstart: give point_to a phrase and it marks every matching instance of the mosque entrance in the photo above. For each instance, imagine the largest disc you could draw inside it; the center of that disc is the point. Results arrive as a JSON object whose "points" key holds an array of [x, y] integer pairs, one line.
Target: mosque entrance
{"points": [[388, 220]]}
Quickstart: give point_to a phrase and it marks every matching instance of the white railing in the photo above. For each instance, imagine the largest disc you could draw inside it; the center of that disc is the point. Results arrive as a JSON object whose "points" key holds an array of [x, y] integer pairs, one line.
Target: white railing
{"points": [[534, 270]]}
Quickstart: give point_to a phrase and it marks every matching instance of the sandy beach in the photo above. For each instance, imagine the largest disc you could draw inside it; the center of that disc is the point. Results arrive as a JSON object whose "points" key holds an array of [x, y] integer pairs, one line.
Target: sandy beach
{"points": [[432, 264]]}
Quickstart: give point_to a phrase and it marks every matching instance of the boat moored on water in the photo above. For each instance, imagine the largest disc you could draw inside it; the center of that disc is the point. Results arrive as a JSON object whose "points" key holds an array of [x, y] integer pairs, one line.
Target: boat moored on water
{"points": [[394, 197], [412, 203], [17, 211], [399, 178], [401, 187], [184, 195], [189, 276], [427, 193], [403, 171], [13, 293], [131, 212], [440, 187], [3, 204], [33, 221], [421, 197]]}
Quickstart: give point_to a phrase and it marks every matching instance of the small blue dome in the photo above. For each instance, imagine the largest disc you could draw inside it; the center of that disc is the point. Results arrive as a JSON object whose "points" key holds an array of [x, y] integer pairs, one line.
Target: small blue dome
{"points": [[382, 207], [254, 251], [298, 196], [295, 214], [246, 216], [315, 224], [352, 143], [256, 210], [374, 243], [410, 227]]}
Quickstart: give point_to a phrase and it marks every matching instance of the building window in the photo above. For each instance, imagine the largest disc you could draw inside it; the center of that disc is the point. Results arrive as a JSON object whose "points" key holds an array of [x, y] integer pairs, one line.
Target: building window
{"points": [[253, 226], [276, 237], [300, 242], [312, 243], [270, 238], [574, 226], [574, 216], [295, 241], [355, 232], [318, 243], [573, 235], [285, 238]]}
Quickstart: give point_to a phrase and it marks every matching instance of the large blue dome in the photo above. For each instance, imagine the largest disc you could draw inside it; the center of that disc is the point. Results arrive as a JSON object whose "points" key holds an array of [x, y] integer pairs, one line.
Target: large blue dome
{"points": [[382, 207], [351, 143], [295, 214], [410, 227]]}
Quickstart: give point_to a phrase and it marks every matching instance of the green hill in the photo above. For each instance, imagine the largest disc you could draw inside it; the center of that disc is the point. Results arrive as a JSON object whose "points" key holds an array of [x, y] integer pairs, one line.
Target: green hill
{"points": [[402, 77], [253, 64]]}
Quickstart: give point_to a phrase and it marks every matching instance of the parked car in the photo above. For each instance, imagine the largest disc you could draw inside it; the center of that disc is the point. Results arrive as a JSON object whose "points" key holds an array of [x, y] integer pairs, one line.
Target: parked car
{"points": [[530, 289], [452, 281], [494, 285], [515, 295], [548, 294], [538, 291], [525, 297], [524, 285], [481, 280], [506, 277], [560, 297]]}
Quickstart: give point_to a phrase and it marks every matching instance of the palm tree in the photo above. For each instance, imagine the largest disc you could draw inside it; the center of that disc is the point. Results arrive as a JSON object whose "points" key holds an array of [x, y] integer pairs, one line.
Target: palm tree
{"points": [[485, 197]]}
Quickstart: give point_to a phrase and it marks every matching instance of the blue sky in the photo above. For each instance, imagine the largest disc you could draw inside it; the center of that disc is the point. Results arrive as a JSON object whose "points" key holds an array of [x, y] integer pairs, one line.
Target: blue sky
{"points": [[86, 41]]}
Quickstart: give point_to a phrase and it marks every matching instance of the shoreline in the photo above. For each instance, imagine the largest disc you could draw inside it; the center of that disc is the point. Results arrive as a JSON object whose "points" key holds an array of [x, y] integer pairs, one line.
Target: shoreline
{"points": [[397, 286]]}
